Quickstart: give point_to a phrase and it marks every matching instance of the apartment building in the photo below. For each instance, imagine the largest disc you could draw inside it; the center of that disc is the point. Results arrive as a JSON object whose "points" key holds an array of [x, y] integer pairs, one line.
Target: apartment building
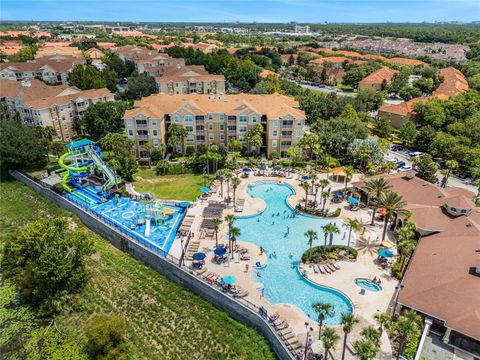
{"points": [[192, 79], [42, 105], [376, 79], [53, 69], [299, 29], [147, 60], [58, 49], [216, 119]]}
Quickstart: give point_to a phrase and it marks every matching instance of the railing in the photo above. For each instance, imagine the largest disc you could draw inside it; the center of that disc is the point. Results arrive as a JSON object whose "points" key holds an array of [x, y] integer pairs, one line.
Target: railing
{"points": [[287, 126], [131, 236], [141, 126]]}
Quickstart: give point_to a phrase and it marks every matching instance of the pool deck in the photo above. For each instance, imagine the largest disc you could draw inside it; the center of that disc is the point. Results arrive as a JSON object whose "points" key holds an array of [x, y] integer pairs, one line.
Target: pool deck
{"points": [[366, 305]]}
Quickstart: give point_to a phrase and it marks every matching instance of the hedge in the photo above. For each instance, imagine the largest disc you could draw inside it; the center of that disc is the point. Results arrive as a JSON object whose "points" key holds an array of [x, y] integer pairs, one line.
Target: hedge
{"points": [[320, 253]]}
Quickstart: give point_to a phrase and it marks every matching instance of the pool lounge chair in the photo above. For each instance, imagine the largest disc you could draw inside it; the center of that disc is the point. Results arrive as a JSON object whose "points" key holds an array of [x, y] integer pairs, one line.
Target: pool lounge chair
{"points": [[285, 332], [283, 325], [288, 337], [321, 269], [294, 345], [326, 269], [336, 266], [332, 268], [315, 270], [241, 294], [274, 317]]}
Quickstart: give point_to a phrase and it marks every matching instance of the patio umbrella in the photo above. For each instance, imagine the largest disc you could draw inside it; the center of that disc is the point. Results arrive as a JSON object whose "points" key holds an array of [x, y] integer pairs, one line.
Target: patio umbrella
{"points": [[263, 168], [387, 244], [184, 204], [385, 253], [229, 279], [338, 193], [198, 256], [204, 189], [246, 169], [382, 211], [352, 200], [305, 177], [220, 251]]}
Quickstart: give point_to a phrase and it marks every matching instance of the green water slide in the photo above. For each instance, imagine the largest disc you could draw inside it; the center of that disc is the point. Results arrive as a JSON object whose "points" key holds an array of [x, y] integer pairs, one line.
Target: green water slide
{"points": [[66, 177]]}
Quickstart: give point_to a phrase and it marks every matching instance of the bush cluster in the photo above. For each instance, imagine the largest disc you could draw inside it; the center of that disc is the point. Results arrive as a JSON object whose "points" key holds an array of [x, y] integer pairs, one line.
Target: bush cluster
{"points": [[320, 253]]}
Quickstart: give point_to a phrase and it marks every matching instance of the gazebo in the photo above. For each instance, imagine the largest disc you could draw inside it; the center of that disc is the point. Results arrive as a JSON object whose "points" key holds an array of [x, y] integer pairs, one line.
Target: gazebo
{"points": [[338, 171]]}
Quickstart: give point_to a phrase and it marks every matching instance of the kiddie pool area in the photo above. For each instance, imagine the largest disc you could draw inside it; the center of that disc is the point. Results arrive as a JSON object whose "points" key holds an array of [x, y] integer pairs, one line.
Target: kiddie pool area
{"points": [[281, 233], [368, 284]]}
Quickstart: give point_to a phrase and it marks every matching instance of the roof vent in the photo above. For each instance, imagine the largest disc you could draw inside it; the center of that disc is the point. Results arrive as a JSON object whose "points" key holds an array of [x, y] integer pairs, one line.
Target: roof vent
{"points": [[26, 83]]}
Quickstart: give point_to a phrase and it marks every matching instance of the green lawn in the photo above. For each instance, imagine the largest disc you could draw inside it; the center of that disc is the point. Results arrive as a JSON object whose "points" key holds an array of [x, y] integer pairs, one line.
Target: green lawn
{"points": [[165, 320], [176, 187]]}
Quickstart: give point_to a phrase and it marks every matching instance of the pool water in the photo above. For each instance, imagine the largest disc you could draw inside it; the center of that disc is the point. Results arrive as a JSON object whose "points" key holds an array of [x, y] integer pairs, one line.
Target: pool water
{"points": [[278, 233], [368, 284], [126, 212]]}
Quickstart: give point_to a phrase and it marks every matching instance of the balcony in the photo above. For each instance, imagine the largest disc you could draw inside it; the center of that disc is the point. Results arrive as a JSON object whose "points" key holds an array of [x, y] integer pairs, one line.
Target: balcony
{"points": [[287, 136], [200, 132], [232, 121], [287, 126], [142, 137], [141, 126], [200, 121]]}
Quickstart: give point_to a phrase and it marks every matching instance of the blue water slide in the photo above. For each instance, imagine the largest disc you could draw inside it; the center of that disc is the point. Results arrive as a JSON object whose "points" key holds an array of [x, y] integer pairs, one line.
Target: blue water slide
{"points": [[88, 196], [93, 193], [98, 151], [75, 182], [76, 175]]}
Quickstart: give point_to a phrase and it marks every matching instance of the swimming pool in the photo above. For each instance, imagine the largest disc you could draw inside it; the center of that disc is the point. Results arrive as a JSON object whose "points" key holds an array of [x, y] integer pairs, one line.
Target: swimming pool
{"points": [[278, 233], [368, 284], [127, 212]]}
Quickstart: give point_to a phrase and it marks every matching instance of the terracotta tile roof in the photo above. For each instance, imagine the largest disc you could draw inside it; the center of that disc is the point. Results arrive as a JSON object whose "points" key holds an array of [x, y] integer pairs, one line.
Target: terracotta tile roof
{"points": [[183, 73], [233, 50], [438, 280], [454, 82], [404, 61], [36, 34], [58, 50], [57, 63], [94, 53], [377, 77], [335, 60], [57, 43], [133, 34], [286, 57], [274, 106], [106, 45], [266, 73]]}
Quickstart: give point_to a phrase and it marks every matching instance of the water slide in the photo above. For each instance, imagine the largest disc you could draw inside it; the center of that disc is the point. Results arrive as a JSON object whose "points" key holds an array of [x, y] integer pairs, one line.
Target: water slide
{"points": [[70, 175], [147, 227], [95, 155]]}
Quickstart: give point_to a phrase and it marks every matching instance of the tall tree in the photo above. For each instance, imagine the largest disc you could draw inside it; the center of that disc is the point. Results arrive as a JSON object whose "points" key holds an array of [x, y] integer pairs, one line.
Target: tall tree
{"points": [[348, 321], [394, 205], [86, 77], [323, 310], [311, 235], [102, 118], [120, 157], [352, 224], [216, 226], [375, 188], [329, 339]]}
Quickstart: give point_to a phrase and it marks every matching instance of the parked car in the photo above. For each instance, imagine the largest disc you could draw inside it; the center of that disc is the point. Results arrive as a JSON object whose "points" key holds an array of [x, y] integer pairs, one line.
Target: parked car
{"points": [[400, 164], [405, 168], [397, 148], [415, 154], [393, 160]]}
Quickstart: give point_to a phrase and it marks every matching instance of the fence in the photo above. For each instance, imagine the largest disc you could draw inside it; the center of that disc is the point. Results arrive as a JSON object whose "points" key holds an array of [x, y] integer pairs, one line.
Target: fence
{"points": [[240, 309]]}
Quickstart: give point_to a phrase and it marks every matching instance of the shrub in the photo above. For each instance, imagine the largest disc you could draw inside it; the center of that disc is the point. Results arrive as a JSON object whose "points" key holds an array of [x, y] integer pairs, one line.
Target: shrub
{"points": [[337, 212], [397, 270], [320, 253], [411, 348], [190, 150], [162, 168]]}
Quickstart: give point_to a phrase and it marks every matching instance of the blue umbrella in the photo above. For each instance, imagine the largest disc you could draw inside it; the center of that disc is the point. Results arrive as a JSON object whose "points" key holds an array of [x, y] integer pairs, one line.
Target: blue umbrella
{"points": [[246, 169], [385, 253], [263, 168], [305, 177], [204, 189], [220, 251], [198, 256], [230, 280], [338, 193], [352, 200], [184, 204]]}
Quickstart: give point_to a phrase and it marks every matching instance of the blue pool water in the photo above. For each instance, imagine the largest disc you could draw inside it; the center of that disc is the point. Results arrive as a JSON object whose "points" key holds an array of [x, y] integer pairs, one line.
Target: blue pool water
{"points": [[368, 284], [126, 212], [275, 231]]}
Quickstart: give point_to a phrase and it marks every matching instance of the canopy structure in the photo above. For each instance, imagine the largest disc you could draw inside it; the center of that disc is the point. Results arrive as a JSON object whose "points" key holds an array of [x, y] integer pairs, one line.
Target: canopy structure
{"points": [[338, 171], [184, 204], [204, 189], [305, 177], [246, 169], [387, 244], [220, 251], [229, 279], [385, 253], [198, 256], [352, 200]]}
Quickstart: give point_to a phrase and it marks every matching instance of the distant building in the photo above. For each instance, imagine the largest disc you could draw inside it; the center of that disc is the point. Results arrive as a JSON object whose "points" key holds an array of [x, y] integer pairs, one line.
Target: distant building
{"points": [[376, 79], [193, 79], [45, 105], [299, 29], [53, 69], [215, 119]]}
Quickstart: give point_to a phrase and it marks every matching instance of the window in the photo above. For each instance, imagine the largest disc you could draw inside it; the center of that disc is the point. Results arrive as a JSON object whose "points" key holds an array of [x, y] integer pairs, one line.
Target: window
{"points": [[65, 126], [210, 127], [141, 122], [189, 128], [210, 117], [275, 133], [242, 129], [299, 122], [274, 143], [254, 119], [130, 132], [63, 117], [222, 117], [155, 132], [190, 138], [222, 127], [154, 122], [299, 133], [243, 118], [144, 154], [188, 118], [177, 119], [129, 122], [61, 108], [211, 136], [222, 136], [275, 123], [155, 143]]}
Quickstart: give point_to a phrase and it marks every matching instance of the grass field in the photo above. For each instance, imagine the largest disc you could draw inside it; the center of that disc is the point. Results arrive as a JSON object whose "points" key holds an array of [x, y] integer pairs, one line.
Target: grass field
{"points": [[165, 320], [176, 187]]}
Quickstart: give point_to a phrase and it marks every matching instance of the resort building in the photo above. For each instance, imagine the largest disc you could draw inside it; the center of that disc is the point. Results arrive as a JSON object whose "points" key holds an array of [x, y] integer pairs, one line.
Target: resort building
{"points": [[442, 281], [54, 69], [192, 79], [454, 83], [216, 119], [406, 62], [377, 79], [43, 105], [146, 60], [58, 49]]}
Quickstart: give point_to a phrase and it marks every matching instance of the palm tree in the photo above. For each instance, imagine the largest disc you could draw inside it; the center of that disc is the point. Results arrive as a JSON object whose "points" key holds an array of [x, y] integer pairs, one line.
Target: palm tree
{"points": [[365, 349], [393, 204], [406, 247], [330, 339], [235, 182], [323, 310], [375, 188], [324, 197], [352, 224], [228, 176], [221, 177], [311, 236], [407, 327], [229, 220], [348, 320], [232, 235], [306, 187], [349, 171], [329, 230], [216, 225], [451, 165], [322, 183], [384, 322], [371, 334]]}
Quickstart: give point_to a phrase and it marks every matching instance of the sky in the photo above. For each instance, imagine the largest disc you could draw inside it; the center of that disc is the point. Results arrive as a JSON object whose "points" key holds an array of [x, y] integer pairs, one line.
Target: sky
{"points": [[242, 10]]}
